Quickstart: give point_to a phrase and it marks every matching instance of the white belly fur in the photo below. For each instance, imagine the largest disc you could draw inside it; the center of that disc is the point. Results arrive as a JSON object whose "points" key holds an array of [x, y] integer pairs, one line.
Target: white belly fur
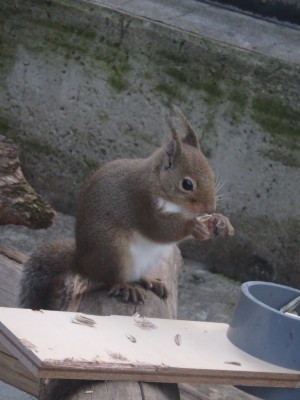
{"points": [[145, 255]]}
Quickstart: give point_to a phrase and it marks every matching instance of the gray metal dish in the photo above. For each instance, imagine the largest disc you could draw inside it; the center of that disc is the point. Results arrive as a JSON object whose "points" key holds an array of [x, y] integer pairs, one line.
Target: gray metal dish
{"points": [[259, 328]]}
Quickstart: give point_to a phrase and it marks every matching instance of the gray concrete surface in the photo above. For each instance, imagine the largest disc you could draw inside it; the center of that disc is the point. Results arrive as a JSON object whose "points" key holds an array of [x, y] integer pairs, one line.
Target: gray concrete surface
{"points": [[236, 29]]}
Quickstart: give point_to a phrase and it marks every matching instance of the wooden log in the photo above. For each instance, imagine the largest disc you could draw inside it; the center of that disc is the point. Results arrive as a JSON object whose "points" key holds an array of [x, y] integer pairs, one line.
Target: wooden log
{"points": [[19, 203], [107, 390]]}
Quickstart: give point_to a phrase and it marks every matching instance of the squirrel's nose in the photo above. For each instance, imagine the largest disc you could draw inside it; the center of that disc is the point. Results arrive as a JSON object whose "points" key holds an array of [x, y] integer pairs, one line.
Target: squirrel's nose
{"points": [[203, 208], [210, 207]]}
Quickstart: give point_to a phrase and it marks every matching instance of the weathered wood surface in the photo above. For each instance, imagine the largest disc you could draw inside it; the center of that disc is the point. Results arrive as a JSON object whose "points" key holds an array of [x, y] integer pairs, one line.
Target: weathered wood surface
{"points": [[15, 374], [10, 272], [19, 203], [133, 348]]}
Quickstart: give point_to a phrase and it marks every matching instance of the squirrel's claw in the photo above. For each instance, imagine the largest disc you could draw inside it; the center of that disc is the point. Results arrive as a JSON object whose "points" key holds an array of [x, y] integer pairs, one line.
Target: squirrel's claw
{"points": [[127, 293], [155, 285], [160, 290]]}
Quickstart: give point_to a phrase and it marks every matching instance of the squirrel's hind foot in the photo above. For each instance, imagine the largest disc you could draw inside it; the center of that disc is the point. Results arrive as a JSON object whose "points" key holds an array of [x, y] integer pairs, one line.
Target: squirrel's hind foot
{"points": [[130, 293], [127, 293], [155, 285]]}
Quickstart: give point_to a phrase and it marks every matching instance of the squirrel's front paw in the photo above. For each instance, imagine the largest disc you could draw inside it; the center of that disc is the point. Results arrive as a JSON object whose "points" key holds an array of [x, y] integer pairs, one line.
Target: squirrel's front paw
{"points": [[199, 230], [218, 225], [127, 293]]}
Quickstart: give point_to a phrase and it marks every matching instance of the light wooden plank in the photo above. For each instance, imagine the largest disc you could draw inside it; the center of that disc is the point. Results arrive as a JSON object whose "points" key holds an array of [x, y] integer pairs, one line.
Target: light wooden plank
{"points": [[132, 348], [15, 374], [10, 271]]}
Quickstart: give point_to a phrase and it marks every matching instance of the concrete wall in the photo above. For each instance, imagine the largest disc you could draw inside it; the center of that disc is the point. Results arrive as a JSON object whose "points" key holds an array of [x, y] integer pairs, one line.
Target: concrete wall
{"points": [[82, 83]]}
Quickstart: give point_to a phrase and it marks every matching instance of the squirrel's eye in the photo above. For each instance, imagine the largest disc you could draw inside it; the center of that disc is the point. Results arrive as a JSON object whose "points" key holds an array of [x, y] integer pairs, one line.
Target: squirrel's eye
{"points": [[187, 185]]}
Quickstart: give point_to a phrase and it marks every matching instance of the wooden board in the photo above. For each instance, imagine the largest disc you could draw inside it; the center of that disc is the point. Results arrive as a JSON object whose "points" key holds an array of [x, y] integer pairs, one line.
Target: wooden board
{"points": [[10, 272], [14, 373], [50, 345]]}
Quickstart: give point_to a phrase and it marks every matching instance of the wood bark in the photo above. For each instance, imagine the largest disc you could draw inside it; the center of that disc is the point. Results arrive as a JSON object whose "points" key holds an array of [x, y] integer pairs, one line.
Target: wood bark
{"points": [[19, 203]]}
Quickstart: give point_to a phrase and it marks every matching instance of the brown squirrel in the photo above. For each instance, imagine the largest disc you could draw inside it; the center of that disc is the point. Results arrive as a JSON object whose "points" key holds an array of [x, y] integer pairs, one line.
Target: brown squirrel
{"points": [[129, 213]]}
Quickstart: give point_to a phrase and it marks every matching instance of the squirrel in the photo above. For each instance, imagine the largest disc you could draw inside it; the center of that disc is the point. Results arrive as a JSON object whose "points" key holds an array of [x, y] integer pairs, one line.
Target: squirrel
{"points": [[129, 213]]}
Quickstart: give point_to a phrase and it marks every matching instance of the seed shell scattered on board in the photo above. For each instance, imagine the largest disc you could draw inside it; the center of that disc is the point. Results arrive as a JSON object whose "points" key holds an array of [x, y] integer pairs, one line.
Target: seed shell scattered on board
{"points": [[178, 339], [131, 338], [83, 320], [233, 363]]}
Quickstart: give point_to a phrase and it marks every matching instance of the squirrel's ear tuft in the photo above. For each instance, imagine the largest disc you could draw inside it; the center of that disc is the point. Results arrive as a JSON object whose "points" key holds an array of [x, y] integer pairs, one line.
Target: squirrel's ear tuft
{"points": [[171, 151], [173, 146], [190, 137], [172, 129]]}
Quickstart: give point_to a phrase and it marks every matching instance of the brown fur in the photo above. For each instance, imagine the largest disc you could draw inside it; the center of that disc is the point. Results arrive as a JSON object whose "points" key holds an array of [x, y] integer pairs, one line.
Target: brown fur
{"points": [[121, 197]]}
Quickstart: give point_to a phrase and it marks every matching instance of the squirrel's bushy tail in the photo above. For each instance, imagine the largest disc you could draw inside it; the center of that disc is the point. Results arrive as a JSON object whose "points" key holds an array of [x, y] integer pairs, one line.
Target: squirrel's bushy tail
{"points": [[44, 274]]}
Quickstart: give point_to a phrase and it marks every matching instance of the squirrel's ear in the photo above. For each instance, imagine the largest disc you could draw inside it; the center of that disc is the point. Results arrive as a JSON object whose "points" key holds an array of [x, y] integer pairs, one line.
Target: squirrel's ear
{"points": [[173, 147], [190, 138]]}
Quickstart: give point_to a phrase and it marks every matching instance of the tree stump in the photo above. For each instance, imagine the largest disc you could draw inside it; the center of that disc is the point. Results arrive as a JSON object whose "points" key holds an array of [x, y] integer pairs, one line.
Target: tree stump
{"points": [[19, 203]]}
